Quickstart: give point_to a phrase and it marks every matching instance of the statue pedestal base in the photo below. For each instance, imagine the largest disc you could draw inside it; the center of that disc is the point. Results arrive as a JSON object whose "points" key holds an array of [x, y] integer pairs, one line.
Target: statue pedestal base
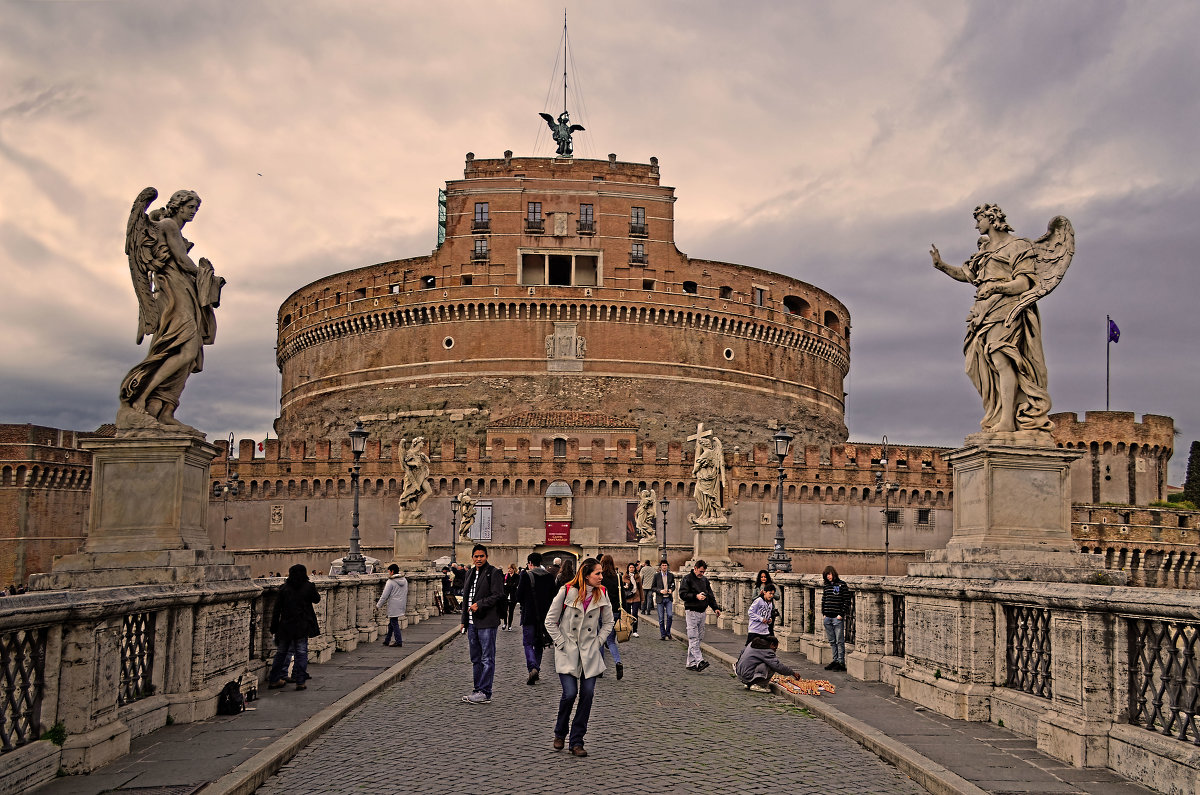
{"points": [[411, 545], [649, 550], [1012, 517], [149, 518], [710, 543]]}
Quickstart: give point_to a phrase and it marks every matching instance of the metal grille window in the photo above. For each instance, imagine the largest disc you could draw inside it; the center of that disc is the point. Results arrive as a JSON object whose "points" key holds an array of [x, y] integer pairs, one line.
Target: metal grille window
{"points": [[924, 517], [637, 221], [1028, 654], [1164, 677], [23, 657], [897, 625], [137, 657]]}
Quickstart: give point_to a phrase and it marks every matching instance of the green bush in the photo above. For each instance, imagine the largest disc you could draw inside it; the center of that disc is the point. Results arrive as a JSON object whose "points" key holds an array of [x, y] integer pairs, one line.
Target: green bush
{"points": [[56, 734]]}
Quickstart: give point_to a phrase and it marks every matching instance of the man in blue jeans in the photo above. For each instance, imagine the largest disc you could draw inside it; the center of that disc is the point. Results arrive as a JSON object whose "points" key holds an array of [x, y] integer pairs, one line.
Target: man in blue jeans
{"points": [[483, 593], [664, 591], [835, 606]]}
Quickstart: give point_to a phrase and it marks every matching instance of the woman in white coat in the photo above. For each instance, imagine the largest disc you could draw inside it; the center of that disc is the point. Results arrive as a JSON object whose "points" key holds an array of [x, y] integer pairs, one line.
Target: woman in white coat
{"points": [[395, 596], [580, 618]]}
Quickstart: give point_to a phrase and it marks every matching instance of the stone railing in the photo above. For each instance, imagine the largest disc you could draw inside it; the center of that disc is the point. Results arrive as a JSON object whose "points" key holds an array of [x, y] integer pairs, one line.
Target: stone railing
{"points": [[1099, 676], [95, 668]]}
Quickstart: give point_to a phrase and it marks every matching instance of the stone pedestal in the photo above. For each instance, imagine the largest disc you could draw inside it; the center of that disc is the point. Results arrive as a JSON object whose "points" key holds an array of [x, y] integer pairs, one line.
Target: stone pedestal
{"points": [[149, 518], [711, 544], [649, 550], [411, 546], [1012, 518]]}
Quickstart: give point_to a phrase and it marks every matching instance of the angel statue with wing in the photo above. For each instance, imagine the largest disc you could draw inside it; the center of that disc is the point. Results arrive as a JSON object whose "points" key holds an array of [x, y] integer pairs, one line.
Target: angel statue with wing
{"points": [[709, 471], [176, 299], [643, 517], [416, 487], [1003, 347], [562, 130]]}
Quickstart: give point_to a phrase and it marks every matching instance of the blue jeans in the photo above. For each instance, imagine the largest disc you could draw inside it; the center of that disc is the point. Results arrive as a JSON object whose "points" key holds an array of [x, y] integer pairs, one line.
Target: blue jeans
{"points": [[612, 646], [835, 633], [533, 649], [665, 609], [393, 631], [585, 689], [296, 648], [482, 643]]}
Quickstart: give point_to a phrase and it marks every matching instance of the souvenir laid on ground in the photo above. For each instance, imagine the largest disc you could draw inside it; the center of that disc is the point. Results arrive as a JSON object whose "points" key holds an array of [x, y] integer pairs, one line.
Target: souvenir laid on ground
{"points": [[804, 687]]}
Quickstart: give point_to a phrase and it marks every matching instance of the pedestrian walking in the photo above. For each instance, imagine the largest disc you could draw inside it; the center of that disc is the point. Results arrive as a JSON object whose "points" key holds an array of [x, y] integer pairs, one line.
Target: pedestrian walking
{"points": [[483, 594], [646, 573], [612, 587], [510, 596], [395, 597], [579, 617], [835, 604], [631, 594], [293, 622], [535, 591], [697, 596], [663, 586], [758, 663]]}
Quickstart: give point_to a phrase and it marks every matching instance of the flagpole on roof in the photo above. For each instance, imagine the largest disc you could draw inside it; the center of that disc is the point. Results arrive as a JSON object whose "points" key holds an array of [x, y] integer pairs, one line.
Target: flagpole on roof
{"points": [[1107, 348]]}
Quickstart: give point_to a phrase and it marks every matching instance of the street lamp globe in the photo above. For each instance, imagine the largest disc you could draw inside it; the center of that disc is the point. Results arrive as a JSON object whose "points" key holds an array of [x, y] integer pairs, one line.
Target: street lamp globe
{"points": [[783, 442], [358, 439]]}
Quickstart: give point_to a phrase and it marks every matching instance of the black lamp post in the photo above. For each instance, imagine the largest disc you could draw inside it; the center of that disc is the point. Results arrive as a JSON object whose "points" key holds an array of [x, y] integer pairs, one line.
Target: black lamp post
{"points": [[779, 560], [230, 486], [663, 505], [453, 526], [355, 563], [886, 487]]}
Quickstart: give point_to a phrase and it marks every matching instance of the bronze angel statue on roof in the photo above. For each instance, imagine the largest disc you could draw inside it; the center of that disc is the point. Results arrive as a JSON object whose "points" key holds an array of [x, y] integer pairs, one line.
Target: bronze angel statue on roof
{"points": [[176, 302], [562, 130], [1003, 346]]}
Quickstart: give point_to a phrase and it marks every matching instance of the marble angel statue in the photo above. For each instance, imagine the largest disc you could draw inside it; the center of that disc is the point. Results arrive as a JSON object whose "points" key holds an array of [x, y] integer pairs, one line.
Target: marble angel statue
{"points": [[1003, 346], [466, 519], [416, 480], [176, 302], [643, 517], [709, 471]]}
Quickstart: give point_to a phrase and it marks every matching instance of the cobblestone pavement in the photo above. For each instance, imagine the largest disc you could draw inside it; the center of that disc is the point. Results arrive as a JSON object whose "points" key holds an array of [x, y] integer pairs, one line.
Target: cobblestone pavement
{"points": [[661, 729]]}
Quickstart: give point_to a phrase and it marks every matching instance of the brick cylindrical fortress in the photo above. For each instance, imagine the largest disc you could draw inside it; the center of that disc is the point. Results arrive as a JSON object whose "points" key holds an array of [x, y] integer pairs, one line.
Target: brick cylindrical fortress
{"points": [[558, 287]]}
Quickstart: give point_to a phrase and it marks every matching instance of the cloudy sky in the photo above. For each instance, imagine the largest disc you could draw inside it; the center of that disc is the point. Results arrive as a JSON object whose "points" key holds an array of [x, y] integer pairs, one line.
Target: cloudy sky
{"points": [[832, 142]]}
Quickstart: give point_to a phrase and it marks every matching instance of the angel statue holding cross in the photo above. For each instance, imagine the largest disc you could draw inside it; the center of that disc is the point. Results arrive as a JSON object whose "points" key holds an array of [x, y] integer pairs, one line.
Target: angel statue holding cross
{"points": [[709, 471]]}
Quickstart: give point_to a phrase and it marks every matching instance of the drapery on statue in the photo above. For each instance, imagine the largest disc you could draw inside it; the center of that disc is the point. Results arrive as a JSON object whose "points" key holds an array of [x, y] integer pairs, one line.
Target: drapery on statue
{"points": [[466, 519], [176, 299], [1003, 346], [643, 517], [709, 471], [416, 481], [562, 130]]}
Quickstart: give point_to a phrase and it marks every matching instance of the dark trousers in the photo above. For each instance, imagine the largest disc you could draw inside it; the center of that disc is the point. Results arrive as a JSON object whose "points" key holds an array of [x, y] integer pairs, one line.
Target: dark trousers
{"points": [[572, 687], [393, 631], [295, 648], [634, 610], [533, 649]]}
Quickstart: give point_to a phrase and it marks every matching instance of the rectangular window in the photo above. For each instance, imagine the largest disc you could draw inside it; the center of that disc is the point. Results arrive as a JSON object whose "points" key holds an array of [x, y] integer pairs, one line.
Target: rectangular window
{"points": [[647, 284], [482, 221], [481, 250], [637, 221], [925, 517], [637, 254], [759, 295], [893, 516], [587, 220], [533, 218], [466, 280]]}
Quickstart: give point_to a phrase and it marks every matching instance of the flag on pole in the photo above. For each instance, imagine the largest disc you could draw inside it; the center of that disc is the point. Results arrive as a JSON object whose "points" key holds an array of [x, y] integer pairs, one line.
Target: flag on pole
{"points": [[1114, 333]]}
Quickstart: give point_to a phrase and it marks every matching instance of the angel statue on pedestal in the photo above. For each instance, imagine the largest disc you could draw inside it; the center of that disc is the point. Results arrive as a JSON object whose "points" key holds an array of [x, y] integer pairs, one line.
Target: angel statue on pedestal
{"points": [[416, 486], [176, 299], [562, 130], [1003, 345], [643, 517], [709, 471]]}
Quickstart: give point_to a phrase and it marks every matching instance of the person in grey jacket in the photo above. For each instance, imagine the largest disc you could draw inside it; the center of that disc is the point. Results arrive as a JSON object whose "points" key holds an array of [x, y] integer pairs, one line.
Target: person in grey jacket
{"points": [[395, 596], [758, 663], [579, 620]]}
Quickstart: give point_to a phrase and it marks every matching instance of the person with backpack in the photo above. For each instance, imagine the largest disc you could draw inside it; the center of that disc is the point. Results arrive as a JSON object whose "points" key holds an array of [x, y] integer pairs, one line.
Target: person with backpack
{"points": [[293, 622], [535, 591], [395, 596]]}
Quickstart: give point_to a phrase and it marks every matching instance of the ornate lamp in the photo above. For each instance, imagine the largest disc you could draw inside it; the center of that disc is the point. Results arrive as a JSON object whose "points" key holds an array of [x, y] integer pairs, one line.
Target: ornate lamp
{"points": [[355, 563], [779, 560]]}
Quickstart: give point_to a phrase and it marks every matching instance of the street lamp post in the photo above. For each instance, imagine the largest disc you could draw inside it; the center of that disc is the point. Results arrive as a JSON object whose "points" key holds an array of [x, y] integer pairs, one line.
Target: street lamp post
{"points": [[355, 563], [453, 524], [779, 560], [230, 486], [886, 487], [663, 505]]}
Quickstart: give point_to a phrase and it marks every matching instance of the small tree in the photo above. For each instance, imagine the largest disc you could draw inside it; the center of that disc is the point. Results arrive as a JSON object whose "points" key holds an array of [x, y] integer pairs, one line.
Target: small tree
{"points": [[1191, 485]]}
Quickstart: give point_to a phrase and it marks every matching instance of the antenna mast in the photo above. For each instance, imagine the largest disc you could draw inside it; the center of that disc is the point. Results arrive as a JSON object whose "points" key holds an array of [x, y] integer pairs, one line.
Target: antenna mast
{"points": [[564, 60]]}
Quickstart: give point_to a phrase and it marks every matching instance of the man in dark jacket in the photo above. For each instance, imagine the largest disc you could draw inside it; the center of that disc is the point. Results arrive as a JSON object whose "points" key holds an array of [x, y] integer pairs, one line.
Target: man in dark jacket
{"points": [[758, 663], [697, 596], [483, 593], [293, 622], [535, 591], [835, 605], [664, 594]]}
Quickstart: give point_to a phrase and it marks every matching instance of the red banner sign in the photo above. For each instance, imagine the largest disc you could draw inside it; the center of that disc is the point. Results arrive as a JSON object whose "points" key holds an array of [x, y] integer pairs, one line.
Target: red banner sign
{"points": [[558, 533]]}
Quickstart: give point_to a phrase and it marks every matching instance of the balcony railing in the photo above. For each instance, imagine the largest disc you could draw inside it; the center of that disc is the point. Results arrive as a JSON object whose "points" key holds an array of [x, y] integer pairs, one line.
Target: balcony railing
{"points": [[481, 225], [479, 256], [535, 226], [637, 259], [587, 227], [637, 230]]}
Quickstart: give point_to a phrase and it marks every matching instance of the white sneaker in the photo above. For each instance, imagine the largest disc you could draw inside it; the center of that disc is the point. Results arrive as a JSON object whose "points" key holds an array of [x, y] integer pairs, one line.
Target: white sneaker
{"points": [[760, 688], [636, 635], [477, 698]]}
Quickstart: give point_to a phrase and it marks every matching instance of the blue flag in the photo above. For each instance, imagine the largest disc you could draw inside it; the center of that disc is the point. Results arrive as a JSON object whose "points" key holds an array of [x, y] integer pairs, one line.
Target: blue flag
{"points": [[1114, 333]]}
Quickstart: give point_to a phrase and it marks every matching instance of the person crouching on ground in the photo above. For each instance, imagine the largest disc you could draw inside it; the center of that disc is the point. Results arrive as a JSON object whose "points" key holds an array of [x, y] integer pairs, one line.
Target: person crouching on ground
{"points": [[395, 596], [758, 663], [293, 622], [579, 617], [761, 614], [835, 604]]}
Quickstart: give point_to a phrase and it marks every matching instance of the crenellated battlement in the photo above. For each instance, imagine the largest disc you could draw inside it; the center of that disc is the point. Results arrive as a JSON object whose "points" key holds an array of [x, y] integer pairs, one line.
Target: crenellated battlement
{"points": [[1115, 430]]}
